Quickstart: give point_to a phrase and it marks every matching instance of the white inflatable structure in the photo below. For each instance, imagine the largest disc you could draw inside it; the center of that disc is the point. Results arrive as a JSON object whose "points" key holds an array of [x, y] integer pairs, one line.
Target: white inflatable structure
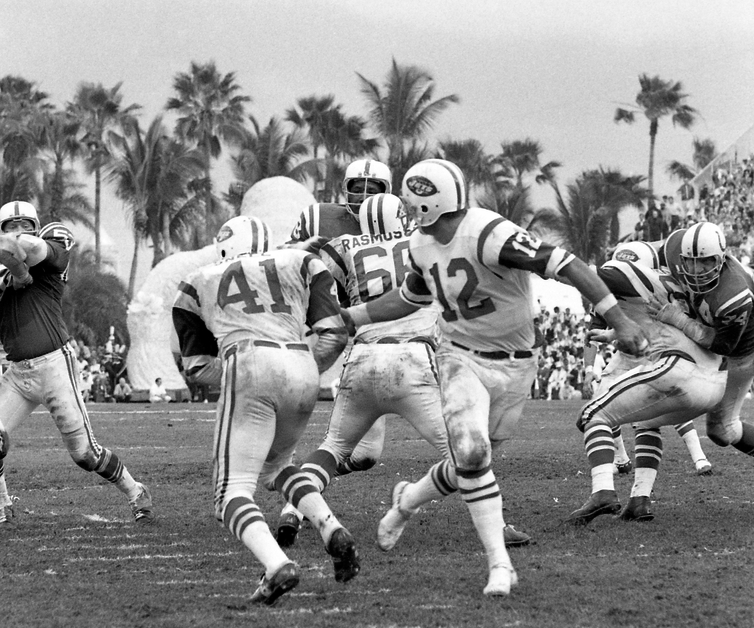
{"points": [[278, 201]]}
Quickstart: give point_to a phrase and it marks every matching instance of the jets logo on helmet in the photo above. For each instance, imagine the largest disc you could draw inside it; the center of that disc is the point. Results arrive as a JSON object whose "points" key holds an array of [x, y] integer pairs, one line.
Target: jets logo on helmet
{"points": [[702, 257], [364, 178], [383, 214], [242, 235], [20, 211], [431, 188], [641, 253], [421, 186]]}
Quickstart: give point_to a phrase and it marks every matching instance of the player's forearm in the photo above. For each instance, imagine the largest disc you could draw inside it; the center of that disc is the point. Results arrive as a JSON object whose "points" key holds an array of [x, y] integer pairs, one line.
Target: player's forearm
{"points": [[388, 307], [330, 344]]}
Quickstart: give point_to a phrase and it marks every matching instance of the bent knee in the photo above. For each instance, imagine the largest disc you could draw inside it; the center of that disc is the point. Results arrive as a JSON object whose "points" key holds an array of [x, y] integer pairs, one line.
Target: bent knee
{"points": [[87, 460]]}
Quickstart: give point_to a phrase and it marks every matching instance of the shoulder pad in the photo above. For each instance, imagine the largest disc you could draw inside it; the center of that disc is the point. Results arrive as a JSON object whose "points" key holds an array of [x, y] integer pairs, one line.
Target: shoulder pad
{"points": [[59, 232]]}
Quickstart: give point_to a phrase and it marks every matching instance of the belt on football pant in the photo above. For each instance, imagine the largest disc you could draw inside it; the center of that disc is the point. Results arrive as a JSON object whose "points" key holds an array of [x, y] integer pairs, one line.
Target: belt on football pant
{"points": [[391, 340], [245, 344], [494, 355]]}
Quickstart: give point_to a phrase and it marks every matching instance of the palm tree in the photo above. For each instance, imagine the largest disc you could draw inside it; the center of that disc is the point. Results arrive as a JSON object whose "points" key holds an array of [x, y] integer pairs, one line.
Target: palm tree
{"points": [[57, 136], [20, 103], [311, 118], [403, 111], [99, 109], [582, 220], [704, 153], [657, 99], [152, 172], [210, 112], [470, 157], [268, 152], [73, 206]]}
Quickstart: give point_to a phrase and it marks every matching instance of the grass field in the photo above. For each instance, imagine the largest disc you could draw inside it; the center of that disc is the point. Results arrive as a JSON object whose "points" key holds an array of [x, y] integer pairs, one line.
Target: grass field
{"points": [[76, 559]]}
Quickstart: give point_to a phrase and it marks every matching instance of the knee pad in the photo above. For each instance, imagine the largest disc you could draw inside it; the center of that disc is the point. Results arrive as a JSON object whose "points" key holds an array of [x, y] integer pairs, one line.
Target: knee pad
{"points": [[723, 434]]}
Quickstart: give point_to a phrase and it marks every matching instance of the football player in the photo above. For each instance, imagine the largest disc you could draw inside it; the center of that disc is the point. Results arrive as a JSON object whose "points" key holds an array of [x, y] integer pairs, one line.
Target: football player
{"points": [[43, 368], [476, 267], [246, 317], [719, 291], [643, 254], [320, 223], [675, 381]]}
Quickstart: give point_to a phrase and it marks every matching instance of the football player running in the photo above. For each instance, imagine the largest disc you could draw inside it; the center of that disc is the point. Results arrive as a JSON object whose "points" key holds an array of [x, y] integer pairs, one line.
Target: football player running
{"points": [[43, 368], [674, 382], [317, 225], [643, 254], [719, 291], [245, 317], [476, 267]]}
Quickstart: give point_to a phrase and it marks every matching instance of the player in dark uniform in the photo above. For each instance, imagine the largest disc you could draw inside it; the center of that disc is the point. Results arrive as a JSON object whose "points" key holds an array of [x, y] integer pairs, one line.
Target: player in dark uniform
{"points": [[43, 368], [721, 296]]}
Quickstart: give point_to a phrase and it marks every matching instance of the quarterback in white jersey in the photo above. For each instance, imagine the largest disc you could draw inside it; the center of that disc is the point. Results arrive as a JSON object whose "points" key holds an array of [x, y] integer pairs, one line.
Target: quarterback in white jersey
{"points": [[252, 308], [677, 381], [475, 265]]}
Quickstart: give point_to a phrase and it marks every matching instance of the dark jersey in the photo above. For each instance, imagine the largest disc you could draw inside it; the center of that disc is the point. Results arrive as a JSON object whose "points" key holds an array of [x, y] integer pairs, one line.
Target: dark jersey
{"points": [[31, 318], [328, 220], [727, 308]]}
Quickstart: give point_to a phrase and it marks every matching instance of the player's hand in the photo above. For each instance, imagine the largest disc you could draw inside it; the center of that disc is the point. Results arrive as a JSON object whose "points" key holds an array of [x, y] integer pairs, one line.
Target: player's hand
{"points": [[630, 337], [600, 336], [588, 379], [23, 281], [671, 313], [346, 315], [312, 245]]}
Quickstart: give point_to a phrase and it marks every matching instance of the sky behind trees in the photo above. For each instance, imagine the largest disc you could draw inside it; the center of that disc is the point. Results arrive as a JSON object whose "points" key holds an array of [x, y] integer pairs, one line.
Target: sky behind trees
{"points": [[552, 70]]}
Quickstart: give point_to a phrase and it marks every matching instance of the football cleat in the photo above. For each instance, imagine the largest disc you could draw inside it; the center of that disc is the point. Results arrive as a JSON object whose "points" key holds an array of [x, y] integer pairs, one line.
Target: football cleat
{"points": [[391, 526], [141, 508], [345, 558], [599, 503], [703, 468], [515, 538], [270, 589], [287, 530], [502, 578], [637, 509], [623, 468]]}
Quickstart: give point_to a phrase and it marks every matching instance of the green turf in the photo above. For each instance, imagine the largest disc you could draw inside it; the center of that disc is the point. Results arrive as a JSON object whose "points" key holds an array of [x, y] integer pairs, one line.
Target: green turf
{"points": [[76, 559]]}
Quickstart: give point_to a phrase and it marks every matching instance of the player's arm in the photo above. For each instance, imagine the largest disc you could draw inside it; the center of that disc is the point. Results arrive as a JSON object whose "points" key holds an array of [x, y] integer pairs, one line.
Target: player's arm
{"points": [[198, 345], [630, 336], [13, 257], [412, 295], [35, 248], [323, 315]]}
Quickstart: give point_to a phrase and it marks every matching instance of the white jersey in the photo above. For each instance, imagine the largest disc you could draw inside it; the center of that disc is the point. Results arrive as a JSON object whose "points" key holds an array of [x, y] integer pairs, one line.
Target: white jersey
{"points": [[634, 286], [272, 296], [481, 280], [367, 267]]}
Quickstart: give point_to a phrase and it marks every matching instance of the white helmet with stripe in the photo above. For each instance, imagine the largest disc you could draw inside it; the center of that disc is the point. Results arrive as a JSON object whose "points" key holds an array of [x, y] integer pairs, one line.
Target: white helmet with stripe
{"points": [[17, 211], [242, 235], [365, 177], [702, 256], [431, 188], [382, 214], [638, 252]]}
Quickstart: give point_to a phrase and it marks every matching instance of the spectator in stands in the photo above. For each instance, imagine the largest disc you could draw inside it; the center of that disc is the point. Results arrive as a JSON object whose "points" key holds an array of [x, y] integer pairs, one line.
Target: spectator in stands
{"points": [[655, 226], [157, 392], [122, 391], [85, 382]]}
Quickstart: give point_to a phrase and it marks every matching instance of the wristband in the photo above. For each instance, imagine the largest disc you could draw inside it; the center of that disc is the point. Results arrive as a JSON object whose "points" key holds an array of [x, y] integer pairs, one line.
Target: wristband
{"points": [[359, 314], [606, 303]]}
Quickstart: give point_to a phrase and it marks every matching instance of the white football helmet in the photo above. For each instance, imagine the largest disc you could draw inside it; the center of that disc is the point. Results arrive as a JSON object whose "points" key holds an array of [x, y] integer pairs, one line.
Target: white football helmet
{"points": [[383, 214], [19, 210], [365, 171], [702, 256], [638, 252], [431, 188], [242, 235]]}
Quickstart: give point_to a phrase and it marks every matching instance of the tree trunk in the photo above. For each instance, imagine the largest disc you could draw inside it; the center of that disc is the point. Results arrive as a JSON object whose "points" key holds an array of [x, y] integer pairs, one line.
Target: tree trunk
{"points": [[134, 267], [650, 175], [97, 218]]}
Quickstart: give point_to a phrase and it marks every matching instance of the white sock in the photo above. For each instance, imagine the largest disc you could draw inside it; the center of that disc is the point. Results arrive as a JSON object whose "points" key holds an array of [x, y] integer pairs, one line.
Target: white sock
{"points": [[290, 508], [602, 478], [621, 455], [644, 480], [487, 515], [691, 438], [316, 510], [258, 538], [128, 485]]}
